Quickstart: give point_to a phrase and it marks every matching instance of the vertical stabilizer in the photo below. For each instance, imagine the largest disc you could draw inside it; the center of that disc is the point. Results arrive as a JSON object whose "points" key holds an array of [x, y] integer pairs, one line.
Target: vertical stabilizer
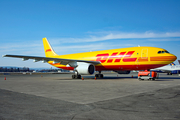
{"points": [[49, 52], [172, 64]]}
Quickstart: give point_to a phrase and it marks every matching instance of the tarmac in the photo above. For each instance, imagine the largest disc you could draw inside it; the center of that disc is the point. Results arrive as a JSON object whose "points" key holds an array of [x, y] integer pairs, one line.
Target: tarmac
{"points": [[115, 97]]}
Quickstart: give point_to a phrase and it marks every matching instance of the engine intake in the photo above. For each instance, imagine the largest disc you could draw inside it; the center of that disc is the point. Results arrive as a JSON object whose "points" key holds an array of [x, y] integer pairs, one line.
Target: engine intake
{"points": [[85, 68]]}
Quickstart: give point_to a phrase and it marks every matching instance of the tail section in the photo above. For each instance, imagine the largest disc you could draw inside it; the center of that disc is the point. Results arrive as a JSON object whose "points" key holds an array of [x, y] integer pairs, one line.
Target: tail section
{"points": [[49, 52], [172, 64]]}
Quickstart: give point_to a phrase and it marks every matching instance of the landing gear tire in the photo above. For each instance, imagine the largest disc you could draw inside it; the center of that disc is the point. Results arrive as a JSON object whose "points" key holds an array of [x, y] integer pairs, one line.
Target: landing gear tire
{"points": [[99, 76], [73, 76], [76, 76]]}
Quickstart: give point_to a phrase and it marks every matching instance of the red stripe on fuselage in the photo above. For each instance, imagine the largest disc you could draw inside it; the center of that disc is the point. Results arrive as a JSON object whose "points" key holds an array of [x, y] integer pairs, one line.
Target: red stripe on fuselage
{"points": [[143, 59], [120, 56], [110, 60], [121, 67], [163, 58], [102, 57], [128, 67], [67, 68], [127, 59]]}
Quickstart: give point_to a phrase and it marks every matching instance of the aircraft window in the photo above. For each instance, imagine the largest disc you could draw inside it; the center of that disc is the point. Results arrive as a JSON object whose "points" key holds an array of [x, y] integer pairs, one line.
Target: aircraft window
{"points": [[159, 52]]}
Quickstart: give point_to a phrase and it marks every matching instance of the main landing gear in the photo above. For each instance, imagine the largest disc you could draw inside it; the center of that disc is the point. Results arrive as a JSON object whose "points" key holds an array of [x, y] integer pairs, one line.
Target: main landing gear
{"points": [[76, 76], [99, 75]]}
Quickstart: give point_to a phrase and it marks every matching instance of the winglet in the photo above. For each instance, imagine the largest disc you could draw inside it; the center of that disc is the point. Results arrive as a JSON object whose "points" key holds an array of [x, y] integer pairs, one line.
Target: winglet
{"points": [[49, 52]]}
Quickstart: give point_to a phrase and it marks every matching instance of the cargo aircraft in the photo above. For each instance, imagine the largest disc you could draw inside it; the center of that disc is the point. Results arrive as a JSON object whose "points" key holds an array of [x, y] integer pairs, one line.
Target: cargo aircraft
{"points": [[121, 60]]}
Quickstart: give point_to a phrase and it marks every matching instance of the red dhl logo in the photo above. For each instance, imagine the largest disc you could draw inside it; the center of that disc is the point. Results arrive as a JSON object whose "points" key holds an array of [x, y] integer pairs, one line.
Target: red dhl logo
{"points": [[48, 50], [116, 57]]}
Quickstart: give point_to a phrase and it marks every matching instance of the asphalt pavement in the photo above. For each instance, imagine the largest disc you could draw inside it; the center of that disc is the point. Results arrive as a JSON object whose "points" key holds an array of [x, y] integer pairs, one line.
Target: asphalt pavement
{"points": [[116, 97]]}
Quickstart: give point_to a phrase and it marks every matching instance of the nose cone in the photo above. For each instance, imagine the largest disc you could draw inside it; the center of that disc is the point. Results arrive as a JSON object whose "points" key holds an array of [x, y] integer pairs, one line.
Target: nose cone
{"points": [[165, 59], [172, 57]]}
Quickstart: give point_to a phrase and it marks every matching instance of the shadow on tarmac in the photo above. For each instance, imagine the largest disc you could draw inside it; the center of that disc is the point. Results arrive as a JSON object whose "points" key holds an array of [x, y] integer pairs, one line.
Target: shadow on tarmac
{"points": [[169, 77], [93, 78]]}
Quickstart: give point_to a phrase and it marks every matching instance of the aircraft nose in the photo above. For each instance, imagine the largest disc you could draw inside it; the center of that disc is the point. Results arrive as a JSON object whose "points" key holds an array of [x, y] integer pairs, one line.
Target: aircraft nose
{"points": [[170, 58], [173, 58]]}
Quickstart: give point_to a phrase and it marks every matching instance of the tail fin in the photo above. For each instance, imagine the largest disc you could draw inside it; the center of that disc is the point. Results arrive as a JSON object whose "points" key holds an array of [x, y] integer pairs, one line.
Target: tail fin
{"points": [[49, 52], [172, 64]]}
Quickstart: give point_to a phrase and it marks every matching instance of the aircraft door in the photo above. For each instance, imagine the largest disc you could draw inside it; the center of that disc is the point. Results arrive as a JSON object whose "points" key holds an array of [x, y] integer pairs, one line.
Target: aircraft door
{"points": [[144, 53], [142, 57]]}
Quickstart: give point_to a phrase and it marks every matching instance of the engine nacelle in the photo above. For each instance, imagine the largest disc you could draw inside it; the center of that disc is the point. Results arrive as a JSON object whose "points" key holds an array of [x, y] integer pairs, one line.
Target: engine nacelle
{"points": [[85, 68], [122, 72]]}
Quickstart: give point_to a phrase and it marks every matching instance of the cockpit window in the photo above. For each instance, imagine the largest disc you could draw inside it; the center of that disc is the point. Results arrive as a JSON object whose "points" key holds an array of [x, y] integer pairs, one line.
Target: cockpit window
{"points": [[159, 52]]}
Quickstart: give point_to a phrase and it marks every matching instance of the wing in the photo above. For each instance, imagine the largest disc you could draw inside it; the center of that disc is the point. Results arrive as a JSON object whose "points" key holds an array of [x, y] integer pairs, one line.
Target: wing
{"points": [[56, 60]]}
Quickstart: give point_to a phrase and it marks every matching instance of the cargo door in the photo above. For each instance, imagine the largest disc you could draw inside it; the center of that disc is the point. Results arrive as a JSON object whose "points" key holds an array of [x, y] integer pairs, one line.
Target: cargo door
{"points": [[144, 53], [143, 58]]}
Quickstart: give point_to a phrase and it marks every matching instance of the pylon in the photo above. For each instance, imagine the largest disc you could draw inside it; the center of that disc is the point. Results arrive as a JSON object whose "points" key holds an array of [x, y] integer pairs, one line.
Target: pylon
{"points": [[95, 78], [82, 78], [4, 78]]}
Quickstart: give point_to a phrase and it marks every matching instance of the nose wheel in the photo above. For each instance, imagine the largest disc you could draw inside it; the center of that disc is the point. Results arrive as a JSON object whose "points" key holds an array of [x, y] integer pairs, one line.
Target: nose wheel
{"points": [[99, 75]]}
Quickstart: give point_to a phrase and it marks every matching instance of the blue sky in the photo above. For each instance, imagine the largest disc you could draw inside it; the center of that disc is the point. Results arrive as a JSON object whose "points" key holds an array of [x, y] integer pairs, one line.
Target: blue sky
{"points": [[73, 26]]}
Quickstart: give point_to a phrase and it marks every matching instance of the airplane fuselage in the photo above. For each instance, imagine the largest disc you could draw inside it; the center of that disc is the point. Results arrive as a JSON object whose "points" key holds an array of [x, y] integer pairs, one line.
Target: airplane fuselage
{"points": [[123, 59], [132, 58]]}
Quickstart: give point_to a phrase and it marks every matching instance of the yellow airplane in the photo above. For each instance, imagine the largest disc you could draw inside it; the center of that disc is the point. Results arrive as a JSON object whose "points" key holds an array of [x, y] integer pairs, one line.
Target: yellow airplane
{"points": [[121, 60]]}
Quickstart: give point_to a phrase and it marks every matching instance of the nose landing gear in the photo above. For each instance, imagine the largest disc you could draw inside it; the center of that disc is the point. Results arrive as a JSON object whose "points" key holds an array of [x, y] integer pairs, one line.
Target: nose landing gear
{"points": [[99, 75]]}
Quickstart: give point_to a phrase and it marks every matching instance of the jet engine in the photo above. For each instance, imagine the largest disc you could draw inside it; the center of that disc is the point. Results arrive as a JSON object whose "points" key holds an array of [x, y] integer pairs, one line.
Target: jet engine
{"points": [[85, 68], [122, 72]]}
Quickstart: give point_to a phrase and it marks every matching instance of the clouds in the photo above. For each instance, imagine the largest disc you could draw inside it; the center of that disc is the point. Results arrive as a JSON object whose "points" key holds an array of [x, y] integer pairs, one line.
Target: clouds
{"points": [[93, 42], [76, 48], [120, 36], [21, 47]]}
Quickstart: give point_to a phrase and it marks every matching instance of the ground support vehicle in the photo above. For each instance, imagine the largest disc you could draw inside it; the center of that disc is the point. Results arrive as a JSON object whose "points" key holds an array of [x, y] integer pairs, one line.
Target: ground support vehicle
{"points": [[147, 75]]}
